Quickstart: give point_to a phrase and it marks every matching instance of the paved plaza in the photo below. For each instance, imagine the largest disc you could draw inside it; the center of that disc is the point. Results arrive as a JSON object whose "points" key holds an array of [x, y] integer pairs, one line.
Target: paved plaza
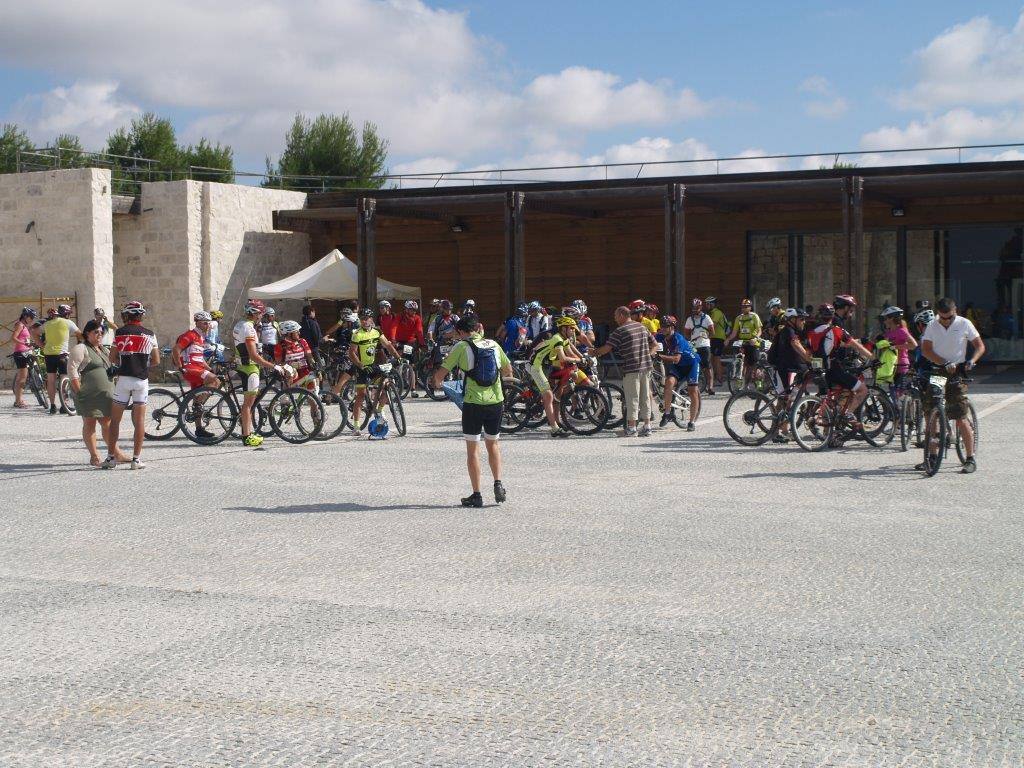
{"points": [[677, 600]]}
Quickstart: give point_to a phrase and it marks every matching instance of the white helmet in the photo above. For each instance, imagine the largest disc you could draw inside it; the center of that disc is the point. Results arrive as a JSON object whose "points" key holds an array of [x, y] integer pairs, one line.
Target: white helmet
{"points": [[290, 326], [410, 304], [384, 303], [270, 311], [201, 317], [774, 302], [349, 316]]}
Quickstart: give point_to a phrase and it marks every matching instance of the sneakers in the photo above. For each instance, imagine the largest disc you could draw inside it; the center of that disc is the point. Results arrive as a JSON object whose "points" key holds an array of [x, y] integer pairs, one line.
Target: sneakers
{"points": [[970, 466], [499, 492], [53, 409], [357, 433], [644, 431], [690, 426], [137, 463], [629, 432], [252, 441], [205, 434], [710, 392], [780, 439], [473, 500], [664, 421], [558, 432], [109, 463]]}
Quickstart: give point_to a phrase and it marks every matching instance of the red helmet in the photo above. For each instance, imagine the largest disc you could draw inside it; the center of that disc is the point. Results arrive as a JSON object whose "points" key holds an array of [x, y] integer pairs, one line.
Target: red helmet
{"points": [[651, 308], [637, 305], [133, 308], [670, 320], [844, 300], [255, 307]]}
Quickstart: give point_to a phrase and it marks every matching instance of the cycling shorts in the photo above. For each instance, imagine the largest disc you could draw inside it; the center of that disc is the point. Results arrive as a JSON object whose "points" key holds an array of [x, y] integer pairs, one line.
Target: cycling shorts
{"points": [[540, 379], [750, 352], [689, 371], [130, 389], [837, 376], [57, 364], [481, 418], [195, 375], [22, 359], [705, 356], [366, 376], [250, 376], [783, 378]]}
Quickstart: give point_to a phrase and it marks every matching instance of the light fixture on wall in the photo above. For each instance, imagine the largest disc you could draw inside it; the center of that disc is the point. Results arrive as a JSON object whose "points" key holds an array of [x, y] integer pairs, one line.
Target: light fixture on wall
{"points": [[457, 226], [898, 211], [31, 224]]}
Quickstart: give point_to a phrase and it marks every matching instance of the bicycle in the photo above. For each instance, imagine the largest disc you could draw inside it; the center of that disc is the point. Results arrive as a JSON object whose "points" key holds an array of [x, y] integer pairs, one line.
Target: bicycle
{"points": [[820, 420], [382, 388], [295, 414], [35, 380], [940, 431], [430, 363], [680, 400], [753, 418], [581, 408]]}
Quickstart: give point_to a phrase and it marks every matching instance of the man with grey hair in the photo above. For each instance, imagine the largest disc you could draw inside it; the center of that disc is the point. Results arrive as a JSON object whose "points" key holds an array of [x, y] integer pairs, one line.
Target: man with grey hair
{"points": [[634, 346]]}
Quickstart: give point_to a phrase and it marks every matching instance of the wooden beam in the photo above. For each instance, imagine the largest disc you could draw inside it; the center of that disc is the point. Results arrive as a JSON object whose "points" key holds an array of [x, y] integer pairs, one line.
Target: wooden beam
{"points": [[858, 287], [547, 206], [696, 198], [515, 264], [675, 248], [366, 251], [844, 202]]}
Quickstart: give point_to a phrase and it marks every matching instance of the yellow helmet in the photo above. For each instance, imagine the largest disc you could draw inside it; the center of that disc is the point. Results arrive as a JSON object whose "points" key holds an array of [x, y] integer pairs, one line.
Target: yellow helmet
{"points": [[566, 322]]}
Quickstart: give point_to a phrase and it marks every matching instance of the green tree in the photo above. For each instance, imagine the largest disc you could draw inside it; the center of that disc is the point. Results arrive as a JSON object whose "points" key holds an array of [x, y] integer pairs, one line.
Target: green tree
{"points": [[329, 145], [12, 140], [71, 154], [205, 156]]}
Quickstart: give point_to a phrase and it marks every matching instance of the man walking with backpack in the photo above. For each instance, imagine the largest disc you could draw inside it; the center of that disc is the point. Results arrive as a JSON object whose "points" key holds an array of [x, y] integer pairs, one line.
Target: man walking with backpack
{"points": [[484, 362]]}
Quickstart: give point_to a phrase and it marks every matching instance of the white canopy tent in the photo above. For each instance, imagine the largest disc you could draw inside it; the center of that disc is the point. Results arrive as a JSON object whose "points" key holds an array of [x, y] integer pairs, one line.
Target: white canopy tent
{"points": [[333, 277]]}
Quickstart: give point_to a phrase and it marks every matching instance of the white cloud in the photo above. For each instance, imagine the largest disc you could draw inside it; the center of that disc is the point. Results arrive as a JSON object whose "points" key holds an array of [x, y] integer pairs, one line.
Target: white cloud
{"points": [[90, 110], [955, 127], [816, 84], [974, 63], [247, 66], [831, 106]]}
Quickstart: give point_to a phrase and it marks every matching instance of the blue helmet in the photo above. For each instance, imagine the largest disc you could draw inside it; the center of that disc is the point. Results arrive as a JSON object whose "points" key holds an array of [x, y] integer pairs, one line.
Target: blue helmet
{"points": [[522, 310]]}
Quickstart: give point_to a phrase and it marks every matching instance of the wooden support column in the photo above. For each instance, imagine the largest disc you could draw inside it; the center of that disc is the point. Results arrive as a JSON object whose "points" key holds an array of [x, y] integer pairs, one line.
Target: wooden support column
{"points": [[515, 264], [366, 251], [844, 202], [858, 287], [675, 249]]}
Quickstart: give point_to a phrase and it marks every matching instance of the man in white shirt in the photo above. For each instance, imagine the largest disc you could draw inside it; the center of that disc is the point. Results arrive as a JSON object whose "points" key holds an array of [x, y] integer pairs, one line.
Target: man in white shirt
{"points": [[944, 343], [698, 329]]}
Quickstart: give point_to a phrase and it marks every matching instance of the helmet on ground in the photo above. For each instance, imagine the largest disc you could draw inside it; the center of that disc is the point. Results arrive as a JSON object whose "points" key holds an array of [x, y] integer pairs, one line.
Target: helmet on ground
{"points": [[774, 302], [826, 311], [534, 306], [29, 312], [924, 317], [581, 306], [669, 320], [64, 310], [378, 428], [290, 326], [637, 305], [366, 312], [255, 307], [349, 316], [270, 311], [522, 310], [445, 304], [202, 317], [710, 300], [216, 314], [566, 322], [844, 300], [133, 308], [697, 304], [384, 303], [746, 303], [891, 312], [410, 304]]}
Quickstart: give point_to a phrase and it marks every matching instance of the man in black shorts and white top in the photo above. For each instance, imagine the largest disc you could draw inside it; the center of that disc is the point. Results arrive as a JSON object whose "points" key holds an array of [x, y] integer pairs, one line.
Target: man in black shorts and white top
{"points": [[133, 353], [698, 329]]}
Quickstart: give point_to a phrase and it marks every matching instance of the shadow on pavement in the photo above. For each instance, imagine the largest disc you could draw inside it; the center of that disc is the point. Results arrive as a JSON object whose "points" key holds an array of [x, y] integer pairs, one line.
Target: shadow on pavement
{"points": [[304, 509], [35, 470], [890, 471]]}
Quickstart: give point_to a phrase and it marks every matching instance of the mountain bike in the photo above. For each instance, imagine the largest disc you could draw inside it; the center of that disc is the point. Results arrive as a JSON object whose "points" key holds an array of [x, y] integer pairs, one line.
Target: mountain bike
{"points": [[380, 392], [581, 408], [820, 420], [430, 363], [35, 381], [940, 431], [753, 418]]}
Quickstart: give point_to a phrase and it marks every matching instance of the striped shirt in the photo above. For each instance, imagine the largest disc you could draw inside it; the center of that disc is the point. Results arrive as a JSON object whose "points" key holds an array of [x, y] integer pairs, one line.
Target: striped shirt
{"points": [[631, 342]]}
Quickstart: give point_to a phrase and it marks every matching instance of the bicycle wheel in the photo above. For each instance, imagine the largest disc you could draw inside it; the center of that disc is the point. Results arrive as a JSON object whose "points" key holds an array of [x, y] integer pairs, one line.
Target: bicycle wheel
{"points": [[163, 413], [878, 417], [65, 395], [812, 421], [972, 416], [907, 423], [520, 409], [616, 403], [702, 379], [397, 411], [734, 376], [38, 384], [296, 415], [335, 418], [681, 405], [935, 436], [750, 418], [584, 411], [208, 416]]}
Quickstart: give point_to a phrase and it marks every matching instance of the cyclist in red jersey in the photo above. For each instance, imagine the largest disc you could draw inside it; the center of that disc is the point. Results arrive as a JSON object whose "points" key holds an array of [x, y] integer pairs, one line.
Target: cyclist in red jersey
{"points": [[294, 352], [387, 320], [189, 354], [829, 341]]}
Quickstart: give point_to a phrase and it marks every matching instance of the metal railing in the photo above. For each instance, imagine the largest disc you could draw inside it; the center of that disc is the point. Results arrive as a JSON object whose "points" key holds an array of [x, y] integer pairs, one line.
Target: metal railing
{"points": [[129, 172]]}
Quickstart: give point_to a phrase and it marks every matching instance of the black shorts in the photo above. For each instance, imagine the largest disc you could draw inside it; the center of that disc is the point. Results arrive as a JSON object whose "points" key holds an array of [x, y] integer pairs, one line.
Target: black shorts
{"points": [[56, 364], [705, 357], [717, 347], [481, 418], [750, 353], [22, 359], [837, 376]]}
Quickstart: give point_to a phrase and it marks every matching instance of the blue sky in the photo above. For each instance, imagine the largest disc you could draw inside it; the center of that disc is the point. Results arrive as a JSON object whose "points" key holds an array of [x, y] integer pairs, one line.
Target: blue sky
{"points": [[478, 84]]}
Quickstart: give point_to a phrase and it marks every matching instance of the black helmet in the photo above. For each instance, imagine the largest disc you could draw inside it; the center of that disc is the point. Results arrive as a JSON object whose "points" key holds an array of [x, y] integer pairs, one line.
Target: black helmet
{"points": [[29, 312], [366, 312]]}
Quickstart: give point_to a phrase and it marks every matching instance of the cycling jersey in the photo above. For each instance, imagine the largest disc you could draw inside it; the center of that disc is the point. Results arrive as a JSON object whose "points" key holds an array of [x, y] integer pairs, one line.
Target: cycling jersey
{"points": [[268, 331], [782, 354], [193, 345], [652, 324], [22, 338], [443, 325], [367, 341], [57, 332], [698, 327], [748, 326], [546, 353], [342, 338], [134, 345], [388, 324], [537, 326], [244, 329], [826, 342], [294, 353], [409, 330], [721, 323], [515, 334]]}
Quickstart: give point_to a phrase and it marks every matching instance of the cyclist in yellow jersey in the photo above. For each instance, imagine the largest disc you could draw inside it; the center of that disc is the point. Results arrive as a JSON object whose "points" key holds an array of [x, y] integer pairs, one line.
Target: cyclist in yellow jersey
{"points": [[553, 353], [651, 319], [721, 330], [747, 328], [57, 335], [364, 351]]}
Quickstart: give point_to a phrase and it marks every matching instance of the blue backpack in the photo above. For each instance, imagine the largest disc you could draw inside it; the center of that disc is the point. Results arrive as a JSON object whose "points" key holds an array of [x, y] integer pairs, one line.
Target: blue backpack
{"points": [[485, 365]]}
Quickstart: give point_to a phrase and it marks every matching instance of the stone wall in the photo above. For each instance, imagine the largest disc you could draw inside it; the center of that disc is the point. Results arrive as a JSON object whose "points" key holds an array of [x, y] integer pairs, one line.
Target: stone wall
{"points": [[67, 248], [769, 270]]}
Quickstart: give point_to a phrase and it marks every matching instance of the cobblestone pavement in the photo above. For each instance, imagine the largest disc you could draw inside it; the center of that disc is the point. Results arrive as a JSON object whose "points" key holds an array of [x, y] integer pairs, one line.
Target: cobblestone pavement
{"points": [[677, 600]]}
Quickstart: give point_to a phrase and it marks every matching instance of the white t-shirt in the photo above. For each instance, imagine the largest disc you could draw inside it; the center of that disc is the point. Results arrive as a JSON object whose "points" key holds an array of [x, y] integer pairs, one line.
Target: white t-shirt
{"points": [[699, 330], [950, 343]]}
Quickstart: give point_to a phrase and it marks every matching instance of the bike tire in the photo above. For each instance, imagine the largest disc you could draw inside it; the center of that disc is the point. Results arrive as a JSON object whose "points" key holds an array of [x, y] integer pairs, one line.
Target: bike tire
{"points": [[734, 378], [958, 441], [617, 403], [906, 423], [818, 417], [750, 418], [397, 411], [295, 415], [584, 411], [65, 395], [936, 418], [216, 410], [518, 408], [163, 415], [335, 420], [38, 386], [681, 402], [879, 409]]}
